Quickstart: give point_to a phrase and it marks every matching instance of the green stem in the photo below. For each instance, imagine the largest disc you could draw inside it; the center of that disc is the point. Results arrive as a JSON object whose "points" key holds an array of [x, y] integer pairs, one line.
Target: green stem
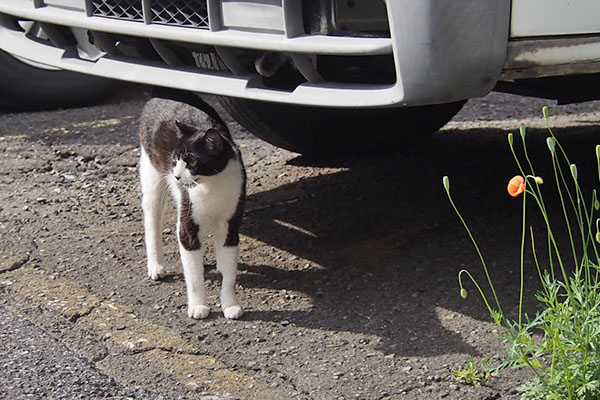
{"points": [[589, 235], [483, 296], [522, 259], [579, 216], [552, 239], [474, 242], [557, 172], [536, 261], [550, 257]]}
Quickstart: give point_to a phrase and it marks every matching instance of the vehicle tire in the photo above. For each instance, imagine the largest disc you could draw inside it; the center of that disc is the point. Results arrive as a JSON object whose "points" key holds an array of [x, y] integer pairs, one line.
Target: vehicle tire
{"points": [[316, 131], [325, 132], [25, 87]]}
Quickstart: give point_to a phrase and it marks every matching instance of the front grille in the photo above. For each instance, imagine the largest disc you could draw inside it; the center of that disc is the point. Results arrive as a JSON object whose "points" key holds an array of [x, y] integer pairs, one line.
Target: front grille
{"points": [[189, 13], [130, 10]]}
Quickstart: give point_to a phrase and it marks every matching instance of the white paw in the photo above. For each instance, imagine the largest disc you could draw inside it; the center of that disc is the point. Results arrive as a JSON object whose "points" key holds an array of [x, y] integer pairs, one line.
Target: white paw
{"points": [[156, 271], [233, 312], [198, 312]]}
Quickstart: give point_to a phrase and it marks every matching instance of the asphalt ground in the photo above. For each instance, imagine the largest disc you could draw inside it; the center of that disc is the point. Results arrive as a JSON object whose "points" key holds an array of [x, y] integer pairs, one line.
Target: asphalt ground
{"points": [[348, 267]]}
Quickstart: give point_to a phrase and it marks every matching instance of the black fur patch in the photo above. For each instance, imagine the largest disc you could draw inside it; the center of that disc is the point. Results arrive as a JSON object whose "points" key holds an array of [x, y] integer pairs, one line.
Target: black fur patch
{"points": [[233, 236], [188, 229]]}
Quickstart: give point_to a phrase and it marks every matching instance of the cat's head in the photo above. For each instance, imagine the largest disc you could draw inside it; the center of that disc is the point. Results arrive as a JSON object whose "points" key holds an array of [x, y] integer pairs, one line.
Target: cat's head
{"points": [[201, 153]]}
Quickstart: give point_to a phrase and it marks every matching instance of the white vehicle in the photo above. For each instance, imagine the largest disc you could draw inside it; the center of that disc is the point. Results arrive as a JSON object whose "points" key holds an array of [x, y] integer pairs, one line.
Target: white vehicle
{"points": [[322, 76]]}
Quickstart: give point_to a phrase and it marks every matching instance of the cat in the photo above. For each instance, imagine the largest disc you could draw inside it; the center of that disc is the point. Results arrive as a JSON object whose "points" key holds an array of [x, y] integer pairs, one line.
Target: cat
{"points": [[189, 150]]}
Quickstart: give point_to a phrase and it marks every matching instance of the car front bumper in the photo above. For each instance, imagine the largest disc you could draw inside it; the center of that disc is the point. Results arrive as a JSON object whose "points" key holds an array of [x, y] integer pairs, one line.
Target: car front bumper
{"points": [[442, 51]]}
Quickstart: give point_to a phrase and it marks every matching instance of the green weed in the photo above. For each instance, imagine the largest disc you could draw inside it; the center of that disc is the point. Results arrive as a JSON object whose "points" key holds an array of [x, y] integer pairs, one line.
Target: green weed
{"points": [[561, 343], [471, 375]]}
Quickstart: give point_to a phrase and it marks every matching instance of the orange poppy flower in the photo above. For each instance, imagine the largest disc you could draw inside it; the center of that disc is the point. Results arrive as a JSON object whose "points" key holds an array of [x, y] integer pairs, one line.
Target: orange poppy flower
{"points": [[516, 186]]}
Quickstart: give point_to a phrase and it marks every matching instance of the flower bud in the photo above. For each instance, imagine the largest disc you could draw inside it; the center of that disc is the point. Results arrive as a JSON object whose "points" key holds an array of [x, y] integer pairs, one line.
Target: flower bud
{"points": [[596, 205], [598, 237], [538, 180], [463, 293], [551, 142], [545, 112], [523, 130], [598, 151], [510, 139], [446, 182], [574, 171]]}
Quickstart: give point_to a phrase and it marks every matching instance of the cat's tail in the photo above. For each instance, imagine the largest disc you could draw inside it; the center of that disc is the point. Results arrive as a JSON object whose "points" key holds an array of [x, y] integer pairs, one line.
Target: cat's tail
{"points": [[192, 99]]}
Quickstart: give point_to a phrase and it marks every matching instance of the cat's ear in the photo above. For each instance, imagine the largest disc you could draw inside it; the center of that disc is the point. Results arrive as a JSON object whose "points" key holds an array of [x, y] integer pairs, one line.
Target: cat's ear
{"points": [[184, 129], [213, 141]]}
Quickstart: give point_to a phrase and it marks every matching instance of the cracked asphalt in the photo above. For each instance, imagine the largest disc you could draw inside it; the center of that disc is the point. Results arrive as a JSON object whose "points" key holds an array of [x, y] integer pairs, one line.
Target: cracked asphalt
{"points": [[36, 365], [347, 267]]}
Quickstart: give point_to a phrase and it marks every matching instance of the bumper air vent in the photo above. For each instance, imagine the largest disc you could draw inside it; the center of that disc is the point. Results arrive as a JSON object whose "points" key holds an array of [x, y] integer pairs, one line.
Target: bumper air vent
{"points": [[187, 13], [191, 13], [130, 10]]}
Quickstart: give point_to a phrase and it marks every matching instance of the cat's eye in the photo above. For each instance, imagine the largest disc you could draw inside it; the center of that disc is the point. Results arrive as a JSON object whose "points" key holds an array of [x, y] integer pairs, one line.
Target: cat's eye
{"points": [[193, 163]]}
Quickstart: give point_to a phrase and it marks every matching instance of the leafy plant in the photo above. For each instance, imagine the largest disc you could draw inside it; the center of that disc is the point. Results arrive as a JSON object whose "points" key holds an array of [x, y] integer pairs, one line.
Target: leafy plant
{"points": [[471, 375], [561, 344]]}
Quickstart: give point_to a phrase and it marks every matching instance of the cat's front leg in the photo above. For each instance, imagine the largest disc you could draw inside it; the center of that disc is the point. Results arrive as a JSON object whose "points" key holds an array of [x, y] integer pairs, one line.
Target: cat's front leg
{"points": [[153, 203], [193, 271], [192, 257], [227, 266], [227, 255]]}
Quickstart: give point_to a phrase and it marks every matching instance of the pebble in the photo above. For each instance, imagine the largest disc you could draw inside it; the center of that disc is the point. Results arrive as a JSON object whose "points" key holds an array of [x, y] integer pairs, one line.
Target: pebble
{"points": [[14, 149]]}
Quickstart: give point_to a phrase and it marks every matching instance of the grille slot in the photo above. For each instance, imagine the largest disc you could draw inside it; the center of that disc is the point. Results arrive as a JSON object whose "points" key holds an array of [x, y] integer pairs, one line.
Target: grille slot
{"points": [[189, 13], [192, 13], [130, 10]]}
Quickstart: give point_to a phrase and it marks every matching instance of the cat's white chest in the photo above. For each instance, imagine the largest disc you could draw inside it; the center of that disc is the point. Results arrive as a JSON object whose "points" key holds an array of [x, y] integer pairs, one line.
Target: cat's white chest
{"points": [[215, 200]]}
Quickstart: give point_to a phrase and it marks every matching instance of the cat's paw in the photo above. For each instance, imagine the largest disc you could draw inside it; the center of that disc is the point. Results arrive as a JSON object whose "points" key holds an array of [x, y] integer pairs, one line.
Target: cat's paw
{"points": [[233, 312], [198, 312], [156, 271]]}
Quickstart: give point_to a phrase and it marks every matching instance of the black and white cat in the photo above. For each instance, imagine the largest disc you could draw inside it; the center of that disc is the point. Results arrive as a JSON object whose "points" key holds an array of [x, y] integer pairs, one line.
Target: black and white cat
{"points": [[189, 150]]}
